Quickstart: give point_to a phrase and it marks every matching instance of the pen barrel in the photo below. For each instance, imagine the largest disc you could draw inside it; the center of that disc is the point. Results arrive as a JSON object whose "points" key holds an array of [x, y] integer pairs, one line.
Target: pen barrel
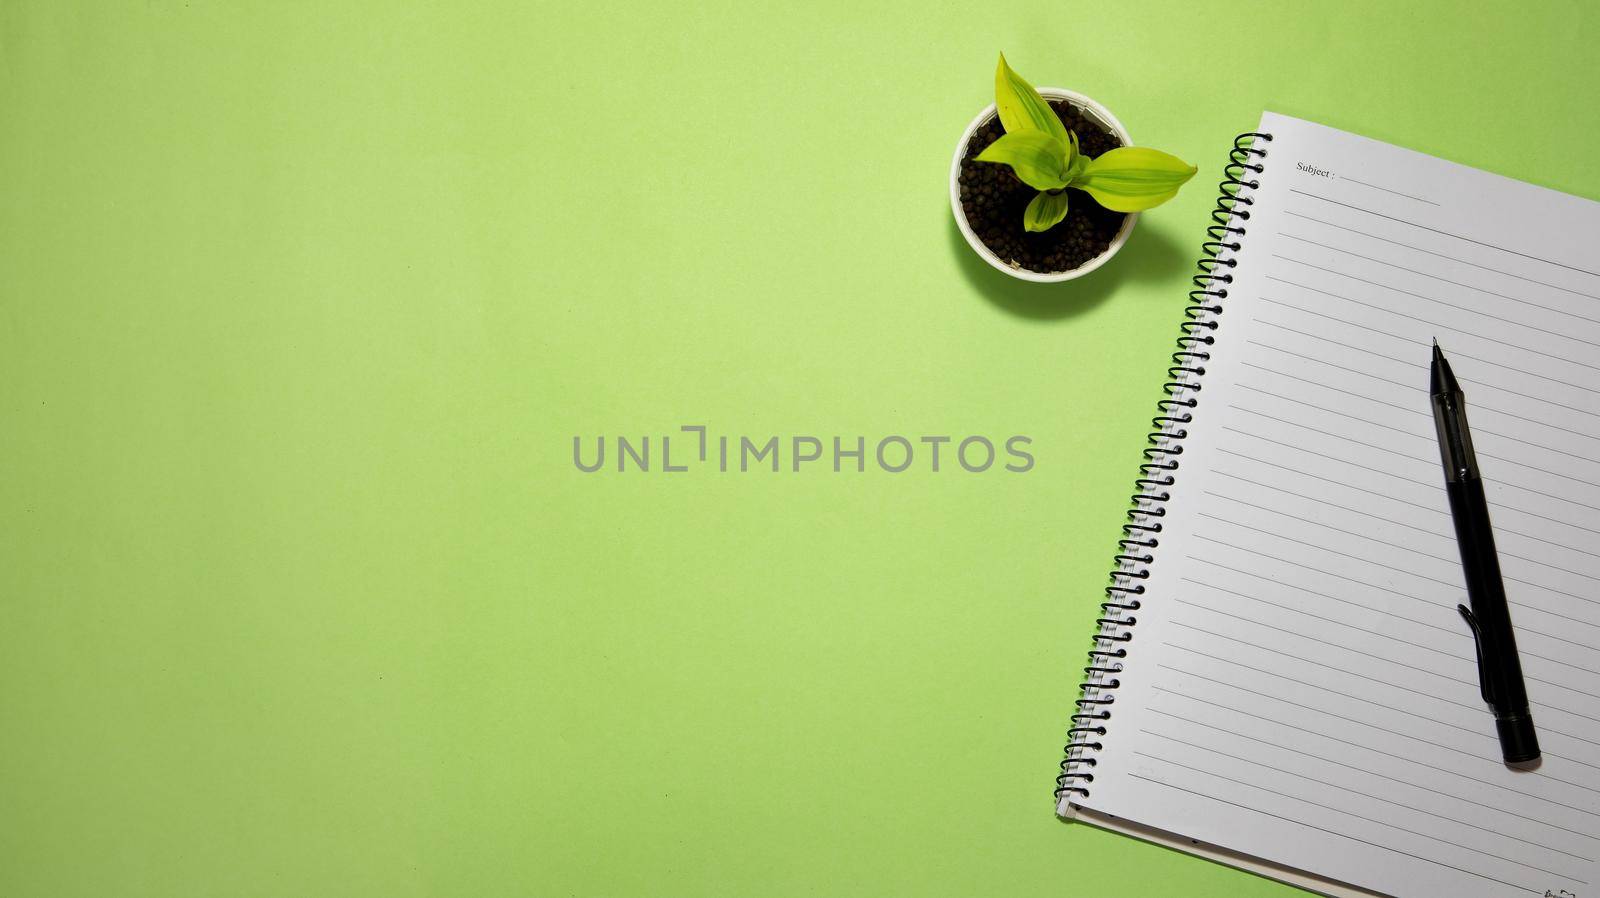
{"points": [[1518, 740], [1500, 667], [1455, 437]]}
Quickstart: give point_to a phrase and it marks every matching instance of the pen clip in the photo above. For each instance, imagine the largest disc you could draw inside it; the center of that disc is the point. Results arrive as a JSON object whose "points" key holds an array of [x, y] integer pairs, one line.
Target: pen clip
{"points": [[1477, 645]]}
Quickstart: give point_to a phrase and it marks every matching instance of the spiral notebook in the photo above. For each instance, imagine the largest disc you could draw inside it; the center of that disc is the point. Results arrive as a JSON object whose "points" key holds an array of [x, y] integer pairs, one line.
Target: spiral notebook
{"points": [[1280, 679]]}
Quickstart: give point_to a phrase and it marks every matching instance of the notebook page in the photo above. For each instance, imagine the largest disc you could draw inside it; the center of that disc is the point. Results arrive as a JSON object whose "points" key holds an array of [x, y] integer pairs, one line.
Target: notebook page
{"points": [[1300, 686]]}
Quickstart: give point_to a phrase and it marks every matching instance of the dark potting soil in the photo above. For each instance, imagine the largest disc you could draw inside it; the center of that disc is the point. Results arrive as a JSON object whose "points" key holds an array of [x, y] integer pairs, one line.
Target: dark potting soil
{"points": [[993, 198]]}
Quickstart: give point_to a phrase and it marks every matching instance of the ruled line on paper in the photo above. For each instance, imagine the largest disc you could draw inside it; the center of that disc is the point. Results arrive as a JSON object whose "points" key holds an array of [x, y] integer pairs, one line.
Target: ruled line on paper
{"points": [[1448, 234], [1412, 572], [1413, 341], [1390, 684], [1445, 535], [1387, 823], [1312, 475], [1369, 631], [1437, 327], [1468, 680], [1364, 772], [1343, 787], [1474, 287], [1254, 689], [1449, 560], [1389, 613], [1388, 190], [1460, 308], [1302, 402], [1332, 832], [1430, 252], [1482, 736], [1408, 759], [1485, 758], [1476, 383], [1326, 503], [1419, 388], [1442, 533], [1521, 628], [1501, 480]]}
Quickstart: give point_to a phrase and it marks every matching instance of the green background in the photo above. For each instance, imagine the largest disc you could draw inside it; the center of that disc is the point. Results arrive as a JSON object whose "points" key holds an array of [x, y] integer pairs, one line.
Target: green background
{"points": [[302, 304]]}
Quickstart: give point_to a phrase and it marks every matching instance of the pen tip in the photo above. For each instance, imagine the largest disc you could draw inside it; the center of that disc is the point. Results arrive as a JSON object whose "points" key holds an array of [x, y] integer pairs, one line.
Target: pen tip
{"points": [[1435, 342], [1440, 378]]}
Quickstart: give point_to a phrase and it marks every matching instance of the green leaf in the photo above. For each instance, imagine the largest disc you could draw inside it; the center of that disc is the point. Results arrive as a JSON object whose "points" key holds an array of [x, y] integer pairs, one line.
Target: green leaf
{"points": [[1044, 211], [1133, 179], [1038, 159], [1076, 161], [1020, 106]]}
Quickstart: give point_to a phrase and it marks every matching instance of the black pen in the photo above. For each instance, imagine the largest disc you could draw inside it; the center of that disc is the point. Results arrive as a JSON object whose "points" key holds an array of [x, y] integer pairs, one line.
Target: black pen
{"points": [[1499, 668]]}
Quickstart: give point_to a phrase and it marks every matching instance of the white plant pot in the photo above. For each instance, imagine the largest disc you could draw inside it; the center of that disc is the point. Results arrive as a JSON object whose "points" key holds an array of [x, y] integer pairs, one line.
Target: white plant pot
{"points": [[1094, 111]]}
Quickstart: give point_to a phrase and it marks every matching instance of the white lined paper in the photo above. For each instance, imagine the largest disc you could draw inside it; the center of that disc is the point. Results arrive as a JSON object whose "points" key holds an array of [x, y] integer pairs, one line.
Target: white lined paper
{"points": [[1300, 687]]}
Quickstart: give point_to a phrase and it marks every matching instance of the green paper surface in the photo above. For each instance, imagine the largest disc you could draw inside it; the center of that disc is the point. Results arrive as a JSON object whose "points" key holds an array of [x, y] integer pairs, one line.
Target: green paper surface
{"points": [[301, 306]]}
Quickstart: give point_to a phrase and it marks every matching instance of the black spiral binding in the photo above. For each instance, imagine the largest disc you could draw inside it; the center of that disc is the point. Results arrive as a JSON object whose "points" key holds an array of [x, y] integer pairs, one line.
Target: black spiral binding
{"points": [[1157, 475]]}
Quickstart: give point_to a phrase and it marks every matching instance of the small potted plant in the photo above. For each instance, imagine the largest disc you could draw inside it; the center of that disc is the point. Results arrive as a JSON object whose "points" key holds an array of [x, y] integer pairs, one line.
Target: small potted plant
{"points": [[1046, 184]]}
